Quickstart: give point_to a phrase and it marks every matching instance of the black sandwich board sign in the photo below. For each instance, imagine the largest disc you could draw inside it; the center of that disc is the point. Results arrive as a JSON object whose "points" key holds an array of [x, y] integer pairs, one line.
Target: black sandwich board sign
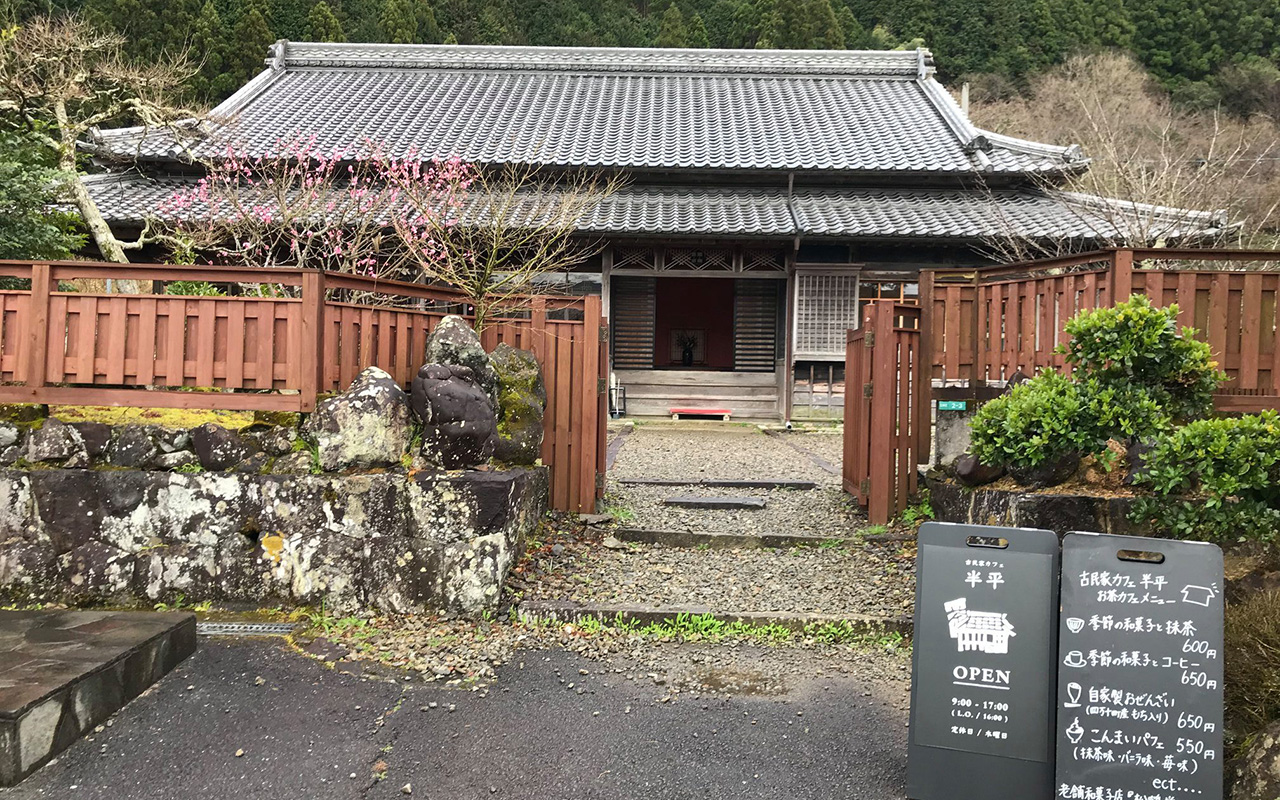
{"points": [[983, 664], [1140, 669]]}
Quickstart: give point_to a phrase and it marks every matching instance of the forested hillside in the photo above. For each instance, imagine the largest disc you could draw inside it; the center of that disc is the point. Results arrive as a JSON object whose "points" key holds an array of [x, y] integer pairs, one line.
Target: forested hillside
{"points": [[1205, 51]]}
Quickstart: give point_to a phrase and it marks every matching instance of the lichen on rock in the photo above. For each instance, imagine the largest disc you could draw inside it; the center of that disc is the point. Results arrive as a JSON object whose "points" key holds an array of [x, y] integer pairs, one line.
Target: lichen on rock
{"points": [[522, 399], [453, 342], [366, 426]]}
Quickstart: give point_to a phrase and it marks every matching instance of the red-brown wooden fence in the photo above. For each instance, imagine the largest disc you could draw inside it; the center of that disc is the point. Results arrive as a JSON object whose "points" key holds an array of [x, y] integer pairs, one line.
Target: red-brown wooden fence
{"points": [[280, 353], [978, 327], [985, 325], [883, 396]]}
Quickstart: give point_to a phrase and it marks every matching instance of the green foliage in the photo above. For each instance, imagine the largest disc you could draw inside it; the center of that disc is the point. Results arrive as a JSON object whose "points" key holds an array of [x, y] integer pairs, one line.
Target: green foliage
{"points": [[323, 25], [672, 32], [1137, 348], [1222, 52], [28, 187], [1040, 420], [1134, 376], [915, 514], [193, 289], [1215, 479]]}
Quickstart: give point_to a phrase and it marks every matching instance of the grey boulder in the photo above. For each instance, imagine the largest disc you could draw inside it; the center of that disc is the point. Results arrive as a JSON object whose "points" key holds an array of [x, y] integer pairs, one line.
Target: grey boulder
{"points": [[368, 425], [454, 342], [56, 441], [1258, 770], [133, 446], [220, 448], [458, 422]]}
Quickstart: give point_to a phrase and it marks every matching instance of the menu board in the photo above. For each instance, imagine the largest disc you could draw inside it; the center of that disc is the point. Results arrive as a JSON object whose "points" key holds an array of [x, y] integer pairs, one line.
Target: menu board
{"points": [[983, 662], [1140, 673]]}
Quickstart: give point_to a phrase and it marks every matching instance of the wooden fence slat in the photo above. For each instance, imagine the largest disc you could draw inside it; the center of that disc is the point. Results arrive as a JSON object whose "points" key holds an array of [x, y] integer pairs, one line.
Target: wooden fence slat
{"points": [[235, 352], [564, 388], [1251, 317], [145, 347]]}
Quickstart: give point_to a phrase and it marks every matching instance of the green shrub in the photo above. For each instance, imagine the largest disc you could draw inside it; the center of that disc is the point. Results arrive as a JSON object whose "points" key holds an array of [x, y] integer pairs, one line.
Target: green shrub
{"points": [[1215, 479], [1137, 346], [193, 289], [1040, 420]]}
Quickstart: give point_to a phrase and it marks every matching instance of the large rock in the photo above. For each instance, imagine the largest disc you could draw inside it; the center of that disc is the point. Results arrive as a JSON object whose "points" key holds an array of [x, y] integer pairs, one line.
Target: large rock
{"points": [[133, 446], [458, 422], [972, 472], [57, 442], [454, 342], [1047, 473], [522, 398], [220, 448], [365, 426], [96, 436], [1258, 770]]}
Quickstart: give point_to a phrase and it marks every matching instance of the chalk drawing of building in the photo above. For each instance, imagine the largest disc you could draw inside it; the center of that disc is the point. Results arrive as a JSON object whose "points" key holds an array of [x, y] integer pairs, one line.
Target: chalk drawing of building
{"points": [[985, 631]]}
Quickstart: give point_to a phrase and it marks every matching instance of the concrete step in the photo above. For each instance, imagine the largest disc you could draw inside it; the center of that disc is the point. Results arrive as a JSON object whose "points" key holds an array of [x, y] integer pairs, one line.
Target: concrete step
{"points": [[67, 671], [715, 503]]}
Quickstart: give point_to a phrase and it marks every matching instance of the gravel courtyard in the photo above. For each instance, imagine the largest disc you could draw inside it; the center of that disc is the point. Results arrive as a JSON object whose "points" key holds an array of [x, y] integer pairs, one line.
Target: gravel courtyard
{"points": [[852, 577]]}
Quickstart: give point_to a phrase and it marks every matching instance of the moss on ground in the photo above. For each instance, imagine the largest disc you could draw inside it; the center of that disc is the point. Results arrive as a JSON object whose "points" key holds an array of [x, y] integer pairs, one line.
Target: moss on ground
{"points": [[167, 417]]}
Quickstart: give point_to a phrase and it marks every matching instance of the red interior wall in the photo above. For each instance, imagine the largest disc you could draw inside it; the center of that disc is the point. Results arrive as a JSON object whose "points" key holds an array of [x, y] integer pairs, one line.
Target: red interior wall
{"points": [[705, 303]]}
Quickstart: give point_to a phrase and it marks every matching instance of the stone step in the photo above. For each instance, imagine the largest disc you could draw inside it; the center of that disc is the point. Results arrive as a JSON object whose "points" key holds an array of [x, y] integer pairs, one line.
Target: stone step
{"points": [[715, 503], [724, 541], [569, 611], [755, 483], [67, 671]]}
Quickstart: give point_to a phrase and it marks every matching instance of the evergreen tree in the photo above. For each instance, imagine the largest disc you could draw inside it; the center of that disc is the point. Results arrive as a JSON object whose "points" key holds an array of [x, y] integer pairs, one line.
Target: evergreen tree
{"points": [[1112, 24], [209, 48], [28, 229], [856, 36], [673, 32], [698, 32], [251, 38], [428, 27], [399, 22], [323, 24]]}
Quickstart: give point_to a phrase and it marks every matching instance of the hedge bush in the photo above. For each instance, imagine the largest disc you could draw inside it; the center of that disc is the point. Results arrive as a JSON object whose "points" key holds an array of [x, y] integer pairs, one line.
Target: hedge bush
{"points": [[1138, 346], [1215, 479], [1134, 377], [1037, 421]]}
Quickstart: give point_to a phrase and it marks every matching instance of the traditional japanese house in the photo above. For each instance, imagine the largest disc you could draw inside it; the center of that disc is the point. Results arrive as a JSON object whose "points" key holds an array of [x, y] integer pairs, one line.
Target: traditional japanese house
{"points": [[769, 193]]}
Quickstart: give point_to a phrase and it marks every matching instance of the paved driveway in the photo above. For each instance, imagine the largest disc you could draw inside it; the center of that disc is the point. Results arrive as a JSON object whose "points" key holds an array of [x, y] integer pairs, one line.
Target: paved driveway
{"points": [[308, 731]]}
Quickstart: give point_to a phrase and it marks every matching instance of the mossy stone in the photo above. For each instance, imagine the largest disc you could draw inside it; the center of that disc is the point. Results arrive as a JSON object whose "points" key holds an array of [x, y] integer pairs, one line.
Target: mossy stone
{"points": [[522, 398]]}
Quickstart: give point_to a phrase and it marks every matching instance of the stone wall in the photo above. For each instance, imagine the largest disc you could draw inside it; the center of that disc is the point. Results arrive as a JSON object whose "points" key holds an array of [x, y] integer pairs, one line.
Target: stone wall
{"points": [[1023, 508], [393, 541]]}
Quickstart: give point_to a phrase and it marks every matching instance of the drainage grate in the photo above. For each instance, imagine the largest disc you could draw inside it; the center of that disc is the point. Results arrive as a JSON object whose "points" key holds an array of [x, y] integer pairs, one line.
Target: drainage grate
{"points": [[244, 628]]}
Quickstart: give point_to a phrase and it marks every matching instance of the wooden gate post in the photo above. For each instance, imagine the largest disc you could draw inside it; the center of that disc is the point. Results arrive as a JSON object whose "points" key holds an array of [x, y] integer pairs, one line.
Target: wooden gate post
{"points": [[38, 329], [311, 358]]}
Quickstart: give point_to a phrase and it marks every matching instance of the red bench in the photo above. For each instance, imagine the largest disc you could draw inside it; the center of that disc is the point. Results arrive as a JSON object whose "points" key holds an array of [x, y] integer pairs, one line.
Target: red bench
{"points": [[723, 413]]}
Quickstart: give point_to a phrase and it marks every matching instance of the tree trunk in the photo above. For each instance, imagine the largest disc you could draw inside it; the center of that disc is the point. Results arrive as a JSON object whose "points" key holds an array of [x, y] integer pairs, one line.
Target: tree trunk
{"points": [[106, 241]]}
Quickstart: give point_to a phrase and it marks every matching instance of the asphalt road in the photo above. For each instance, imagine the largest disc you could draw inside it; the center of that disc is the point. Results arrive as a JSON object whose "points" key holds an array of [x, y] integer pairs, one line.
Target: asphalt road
{"points": [[308, 731]]}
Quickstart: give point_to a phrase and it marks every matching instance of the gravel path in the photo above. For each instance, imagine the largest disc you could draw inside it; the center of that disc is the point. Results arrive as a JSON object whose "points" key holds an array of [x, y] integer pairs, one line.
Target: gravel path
{"points": [[736, 451], [733, 453], [852, 579]]}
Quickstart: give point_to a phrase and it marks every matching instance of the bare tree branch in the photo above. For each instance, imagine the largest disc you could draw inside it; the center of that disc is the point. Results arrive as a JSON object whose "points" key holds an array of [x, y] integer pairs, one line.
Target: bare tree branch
{"points": [[62, 75]]}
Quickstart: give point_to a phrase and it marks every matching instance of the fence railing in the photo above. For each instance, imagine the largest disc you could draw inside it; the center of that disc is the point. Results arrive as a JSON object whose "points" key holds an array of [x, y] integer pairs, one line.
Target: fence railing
{"points": [[983, 326], [886, 402], [281, 352]]}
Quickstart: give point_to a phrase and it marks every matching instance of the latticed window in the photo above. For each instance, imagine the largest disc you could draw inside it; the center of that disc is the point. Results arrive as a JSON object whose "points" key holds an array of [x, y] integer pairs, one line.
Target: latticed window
{"points": [[826, 307]]}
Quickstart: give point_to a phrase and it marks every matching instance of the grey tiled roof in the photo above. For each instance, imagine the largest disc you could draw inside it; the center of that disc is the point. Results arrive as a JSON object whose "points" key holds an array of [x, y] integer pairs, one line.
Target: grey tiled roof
{"points": [[635, 109], [868, 213]]}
